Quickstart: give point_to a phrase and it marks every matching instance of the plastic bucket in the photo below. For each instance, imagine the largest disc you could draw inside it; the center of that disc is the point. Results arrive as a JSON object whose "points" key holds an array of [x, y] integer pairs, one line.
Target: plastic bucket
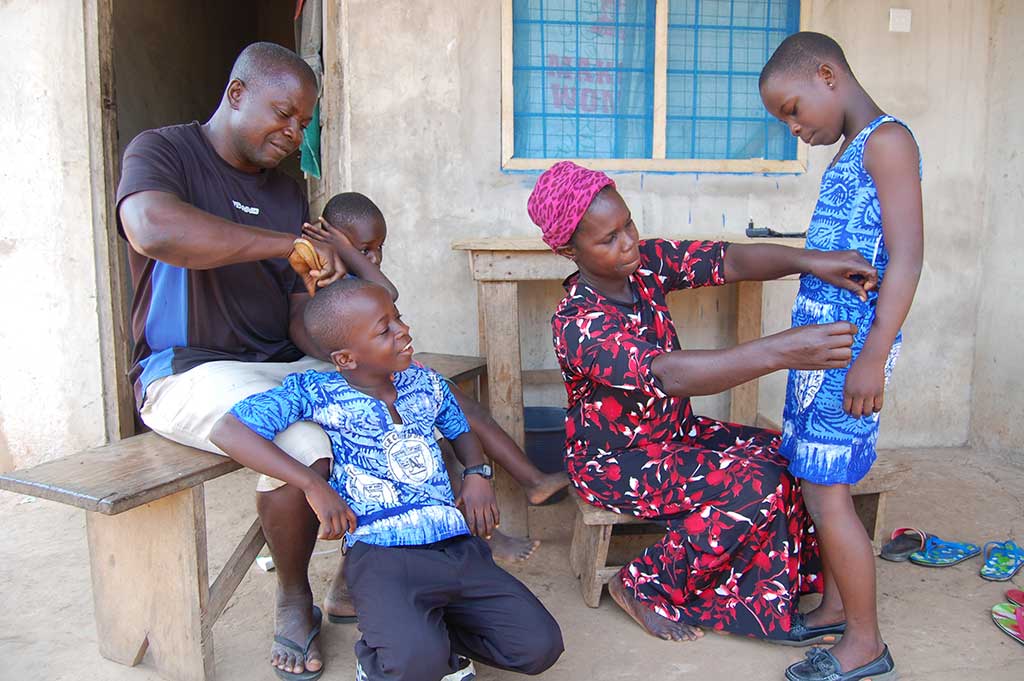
{"points": [[545, 442]]}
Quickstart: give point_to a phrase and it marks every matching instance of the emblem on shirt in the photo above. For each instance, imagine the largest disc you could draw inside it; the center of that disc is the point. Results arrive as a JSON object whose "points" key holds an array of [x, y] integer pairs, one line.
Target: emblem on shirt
{"points": [[244, 208], [409, 457], [366, 489]]}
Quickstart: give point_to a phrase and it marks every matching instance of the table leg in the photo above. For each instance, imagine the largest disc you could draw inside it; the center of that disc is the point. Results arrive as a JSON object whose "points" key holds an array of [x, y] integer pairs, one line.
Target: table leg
{"points": [[150, 585], [743, 400], [499, 301]]}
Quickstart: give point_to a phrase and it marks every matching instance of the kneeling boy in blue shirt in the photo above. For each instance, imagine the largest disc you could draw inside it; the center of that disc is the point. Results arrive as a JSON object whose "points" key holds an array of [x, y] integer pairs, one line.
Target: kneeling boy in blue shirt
{"points": [[425, 589]]}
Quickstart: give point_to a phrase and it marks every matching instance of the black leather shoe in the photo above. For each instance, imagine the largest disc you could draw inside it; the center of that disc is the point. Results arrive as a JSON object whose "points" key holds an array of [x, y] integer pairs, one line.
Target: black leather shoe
{"points": [[821, 665], [802, 635]]}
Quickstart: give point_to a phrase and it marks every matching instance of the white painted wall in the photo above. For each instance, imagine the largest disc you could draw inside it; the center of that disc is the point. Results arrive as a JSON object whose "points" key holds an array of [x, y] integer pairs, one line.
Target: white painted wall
{"points": [[50, 391], [998, 396]]}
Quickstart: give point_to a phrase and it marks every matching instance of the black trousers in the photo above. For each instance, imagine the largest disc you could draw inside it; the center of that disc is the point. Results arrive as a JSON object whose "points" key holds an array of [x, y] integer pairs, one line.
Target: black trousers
{"points": [[420, 607]]}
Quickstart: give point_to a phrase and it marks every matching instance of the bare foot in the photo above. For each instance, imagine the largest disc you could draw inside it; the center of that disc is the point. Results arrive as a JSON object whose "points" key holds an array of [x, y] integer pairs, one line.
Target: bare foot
{"points": [[338, 603], [294, 621], [653, 623], [546, 485], [512, 549]]}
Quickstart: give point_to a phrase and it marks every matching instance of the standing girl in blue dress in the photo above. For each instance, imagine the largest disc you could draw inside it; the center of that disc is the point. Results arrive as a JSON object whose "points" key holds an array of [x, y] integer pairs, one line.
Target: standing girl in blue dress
{"points": [[870, 202]]}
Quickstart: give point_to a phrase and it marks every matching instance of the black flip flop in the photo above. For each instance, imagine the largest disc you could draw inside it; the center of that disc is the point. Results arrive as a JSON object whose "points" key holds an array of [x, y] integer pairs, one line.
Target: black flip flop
{"points": [[303, 651], [903, 542]]}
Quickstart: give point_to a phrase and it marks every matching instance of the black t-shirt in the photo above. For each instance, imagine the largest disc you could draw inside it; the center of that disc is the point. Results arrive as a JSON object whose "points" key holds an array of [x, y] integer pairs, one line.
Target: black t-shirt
{"points": [[181, 317]]}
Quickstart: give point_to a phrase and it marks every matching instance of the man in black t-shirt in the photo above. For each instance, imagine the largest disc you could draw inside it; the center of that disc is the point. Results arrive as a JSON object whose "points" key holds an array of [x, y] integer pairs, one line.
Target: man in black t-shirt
{"points": [[217, 313]]}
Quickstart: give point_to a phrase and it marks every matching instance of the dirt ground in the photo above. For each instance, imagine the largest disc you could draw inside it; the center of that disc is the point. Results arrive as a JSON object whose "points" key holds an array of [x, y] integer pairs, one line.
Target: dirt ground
{"points": [[936, 621]]}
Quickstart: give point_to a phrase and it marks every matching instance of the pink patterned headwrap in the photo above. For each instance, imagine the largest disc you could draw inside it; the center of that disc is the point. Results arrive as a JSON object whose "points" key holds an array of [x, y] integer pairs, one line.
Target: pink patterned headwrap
{"points": [[561, 197]]}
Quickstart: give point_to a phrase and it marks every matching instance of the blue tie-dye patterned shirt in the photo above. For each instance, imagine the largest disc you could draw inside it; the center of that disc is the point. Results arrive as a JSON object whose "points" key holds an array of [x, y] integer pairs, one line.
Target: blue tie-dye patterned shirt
{"points": [[391, 475]]}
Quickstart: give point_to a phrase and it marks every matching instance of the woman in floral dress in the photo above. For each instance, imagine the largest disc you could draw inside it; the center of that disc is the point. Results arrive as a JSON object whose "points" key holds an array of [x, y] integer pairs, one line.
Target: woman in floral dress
{"points": [[739, 548]]}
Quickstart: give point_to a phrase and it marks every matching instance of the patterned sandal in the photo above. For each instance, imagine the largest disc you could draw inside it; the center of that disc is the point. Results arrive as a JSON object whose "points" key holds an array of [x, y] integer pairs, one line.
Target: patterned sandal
{"points": [[1010, 618], [1002, 561], [1015, 596], [940, 553], [902, 542]]}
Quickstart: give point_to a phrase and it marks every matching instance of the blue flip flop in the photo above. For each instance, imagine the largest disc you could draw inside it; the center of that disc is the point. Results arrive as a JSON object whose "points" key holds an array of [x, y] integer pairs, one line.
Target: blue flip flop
{"points": [[941, 553], [306, 675], [1003, 559]]}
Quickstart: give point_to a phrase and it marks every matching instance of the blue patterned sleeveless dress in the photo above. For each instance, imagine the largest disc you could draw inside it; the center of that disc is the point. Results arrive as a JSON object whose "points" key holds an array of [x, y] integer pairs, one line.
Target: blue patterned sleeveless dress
{"points": [[824, 445]]}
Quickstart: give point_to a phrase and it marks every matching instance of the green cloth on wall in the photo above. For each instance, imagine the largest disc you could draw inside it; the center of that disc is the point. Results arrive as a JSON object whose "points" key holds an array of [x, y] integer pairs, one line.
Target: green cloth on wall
{"points": [[310, 161]]}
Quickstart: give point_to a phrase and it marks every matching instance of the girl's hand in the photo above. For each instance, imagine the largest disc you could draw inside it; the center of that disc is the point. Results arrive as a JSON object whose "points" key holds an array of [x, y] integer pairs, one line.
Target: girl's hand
{"points": [[865, 387], [336, 518], [478, 505], [844, 269]]}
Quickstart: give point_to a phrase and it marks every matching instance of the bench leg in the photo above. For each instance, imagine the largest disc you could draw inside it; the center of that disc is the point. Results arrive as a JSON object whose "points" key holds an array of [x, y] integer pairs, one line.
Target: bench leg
{"points": [[871, 511], [150, 585], [591, 556]]}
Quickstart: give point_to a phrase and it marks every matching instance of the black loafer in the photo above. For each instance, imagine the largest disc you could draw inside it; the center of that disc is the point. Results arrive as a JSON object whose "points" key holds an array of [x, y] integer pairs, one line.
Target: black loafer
{"points": [[821, 665], [802, 635]]}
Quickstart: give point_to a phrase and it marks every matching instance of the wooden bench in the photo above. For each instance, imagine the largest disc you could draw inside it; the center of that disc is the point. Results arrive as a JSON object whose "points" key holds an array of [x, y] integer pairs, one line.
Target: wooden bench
{"points": [[592, 532], [146, 528]]}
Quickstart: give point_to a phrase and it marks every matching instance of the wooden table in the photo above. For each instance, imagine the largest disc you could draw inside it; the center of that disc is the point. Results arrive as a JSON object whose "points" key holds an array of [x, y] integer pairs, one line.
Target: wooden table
{"points": [[498, 265]]}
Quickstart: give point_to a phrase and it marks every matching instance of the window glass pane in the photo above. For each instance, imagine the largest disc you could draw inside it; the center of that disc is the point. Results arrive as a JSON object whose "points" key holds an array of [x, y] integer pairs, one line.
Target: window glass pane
{"points": [[716, 49], [583, 74]]}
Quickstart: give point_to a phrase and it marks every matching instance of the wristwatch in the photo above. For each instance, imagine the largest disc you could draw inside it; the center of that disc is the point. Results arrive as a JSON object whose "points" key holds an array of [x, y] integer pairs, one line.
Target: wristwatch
{"points": [[484, 470]]}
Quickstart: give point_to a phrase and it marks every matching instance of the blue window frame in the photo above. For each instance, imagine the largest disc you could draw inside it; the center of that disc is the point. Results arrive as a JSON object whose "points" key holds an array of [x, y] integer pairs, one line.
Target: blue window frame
{"points": [[584, 79]]}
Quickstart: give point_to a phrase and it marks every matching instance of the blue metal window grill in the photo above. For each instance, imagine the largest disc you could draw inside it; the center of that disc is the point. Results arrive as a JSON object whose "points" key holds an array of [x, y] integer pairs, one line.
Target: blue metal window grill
{"points": [[716, 49], [583, 74]]}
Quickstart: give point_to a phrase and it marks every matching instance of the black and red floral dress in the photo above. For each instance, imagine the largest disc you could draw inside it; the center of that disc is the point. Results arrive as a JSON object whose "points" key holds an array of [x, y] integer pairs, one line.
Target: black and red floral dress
{"points": [[740, 547]]}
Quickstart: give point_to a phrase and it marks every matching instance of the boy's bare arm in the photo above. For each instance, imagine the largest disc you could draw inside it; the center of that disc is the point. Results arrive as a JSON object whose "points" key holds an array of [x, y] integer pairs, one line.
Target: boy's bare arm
{"points": [[891, 157], [263, 456], [477, 496], [358, 264]]}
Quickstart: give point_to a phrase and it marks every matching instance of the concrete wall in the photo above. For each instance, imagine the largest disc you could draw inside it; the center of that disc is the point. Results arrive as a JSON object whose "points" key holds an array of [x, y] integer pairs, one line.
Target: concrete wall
{"points": [[998, 397], [50, 386], [425, 120]]}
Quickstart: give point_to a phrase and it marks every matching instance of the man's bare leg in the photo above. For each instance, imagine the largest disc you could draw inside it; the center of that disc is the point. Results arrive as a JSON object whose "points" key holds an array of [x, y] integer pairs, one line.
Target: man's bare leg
{"points": [[290, 527]]}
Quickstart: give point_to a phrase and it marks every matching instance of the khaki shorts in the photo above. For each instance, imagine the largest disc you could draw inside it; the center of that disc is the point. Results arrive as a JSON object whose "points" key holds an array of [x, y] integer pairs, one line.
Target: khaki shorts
{"points": [[184, 407]]}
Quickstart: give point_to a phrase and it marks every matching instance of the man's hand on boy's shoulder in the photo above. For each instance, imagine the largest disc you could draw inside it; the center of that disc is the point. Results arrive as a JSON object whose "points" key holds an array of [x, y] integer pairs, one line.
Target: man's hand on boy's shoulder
{"points": [[479, 505], [335, 516]]}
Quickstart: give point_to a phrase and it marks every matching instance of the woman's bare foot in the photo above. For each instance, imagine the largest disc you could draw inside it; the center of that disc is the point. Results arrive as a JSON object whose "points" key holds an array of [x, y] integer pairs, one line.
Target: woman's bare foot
{"points": [[512, 549], [545, 487], [338, 602], [653, 624], [294, 621]]}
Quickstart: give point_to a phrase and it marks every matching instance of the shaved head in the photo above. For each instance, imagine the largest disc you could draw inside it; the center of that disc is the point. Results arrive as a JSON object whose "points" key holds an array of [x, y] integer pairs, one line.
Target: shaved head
{"points": [[801, 54], [269, 63], [348, 208], [330, 315]]}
